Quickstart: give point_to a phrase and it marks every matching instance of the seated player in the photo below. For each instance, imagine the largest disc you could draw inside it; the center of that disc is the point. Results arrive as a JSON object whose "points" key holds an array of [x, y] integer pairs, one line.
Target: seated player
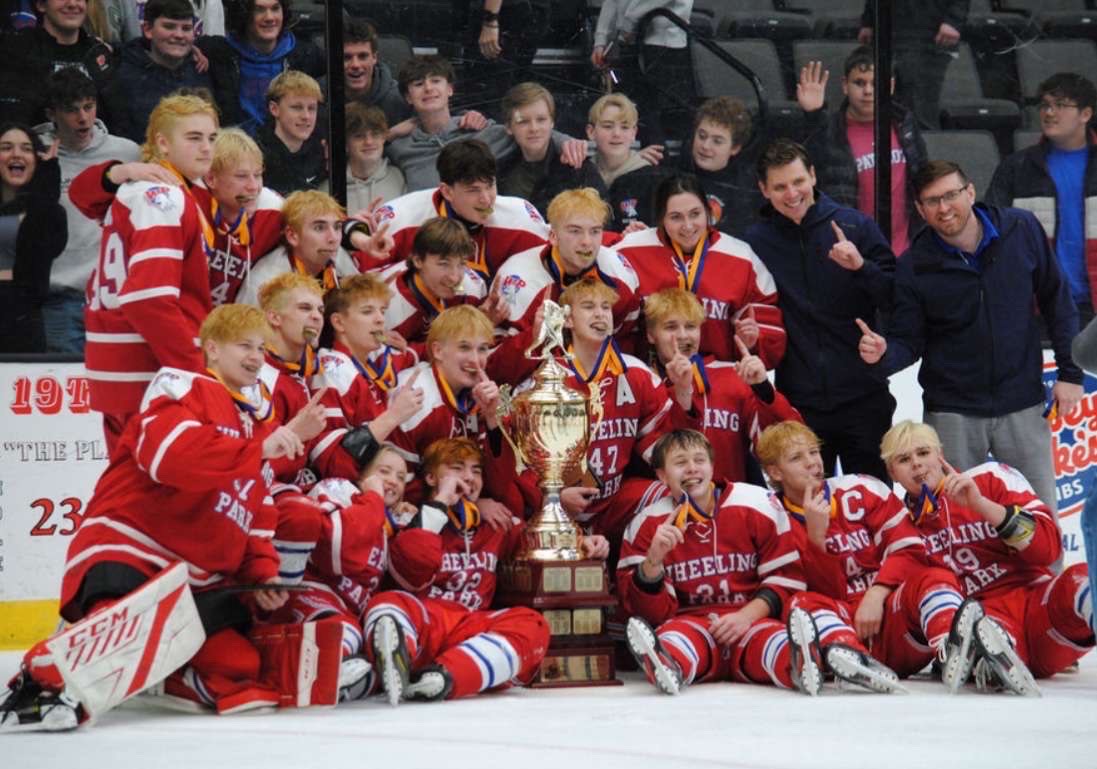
{"points": [[634, 403], [501, 226], [312, 233], [988, 526], [577, 219], [707, 573], [440, 639], [358, 372], [434, 277], [729, 403], [196, 461], [863, 559], [735, 288]]}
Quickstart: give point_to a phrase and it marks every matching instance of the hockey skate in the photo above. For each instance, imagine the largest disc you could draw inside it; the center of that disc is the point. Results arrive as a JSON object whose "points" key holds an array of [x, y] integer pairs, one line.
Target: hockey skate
{"points": [[355, 678], [390, 652], [30, 708], [805, 660], [957, 655], [999, 667], [855, 667], [659, 667], [434, 683]]}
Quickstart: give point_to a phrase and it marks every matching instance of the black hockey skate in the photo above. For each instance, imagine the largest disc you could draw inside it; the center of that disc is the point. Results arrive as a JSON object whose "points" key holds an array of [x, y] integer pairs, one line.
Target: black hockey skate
{"points": [[27, 707], [433, 683]]}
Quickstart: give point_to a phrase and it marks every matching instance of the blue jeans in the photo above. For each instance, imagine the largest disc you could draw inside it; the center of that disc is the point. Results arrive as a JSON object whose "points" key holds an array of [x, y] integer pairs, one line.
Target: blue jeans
{"points": [[1089, 537], [63, 316]]}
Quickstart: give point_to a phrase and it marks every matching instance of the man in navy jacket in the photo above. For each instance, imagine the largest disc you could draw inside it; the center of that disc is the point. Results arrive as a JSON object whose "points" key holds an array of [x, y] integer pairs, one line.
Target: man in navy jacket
{"points": [[832, 266], [966, 298]]}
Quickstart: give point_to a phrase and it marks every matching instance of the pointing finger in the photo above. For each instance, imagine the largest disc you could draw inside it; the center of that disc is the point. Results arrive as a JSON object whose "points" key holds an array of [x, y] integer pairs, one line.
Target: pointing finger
{"points": [[949, 469], [838, 231], [316, 396], [864, 327], [411, 379], [744, 351]]}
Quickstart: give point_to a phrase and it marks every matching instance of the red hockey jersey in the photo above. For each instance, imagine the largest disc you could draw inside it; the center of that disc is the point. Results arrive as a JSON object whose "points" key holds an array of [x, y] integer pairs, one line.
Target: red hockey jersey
{"points": [[240, 244], [413, 306]]}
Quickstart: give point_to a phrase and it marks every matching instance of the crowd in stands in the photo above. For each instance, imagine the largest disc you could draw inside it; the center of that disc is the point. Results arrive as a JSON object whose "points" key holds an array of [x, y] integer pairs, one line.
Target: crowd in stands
{"points": [[321, 382]]}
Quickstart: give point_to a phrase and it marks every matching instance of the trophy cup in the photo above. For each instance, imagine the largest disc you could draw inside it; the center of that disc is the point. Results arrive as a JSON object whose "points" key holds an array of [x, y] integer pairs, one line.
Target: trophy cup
{"points": [[549, 430]]}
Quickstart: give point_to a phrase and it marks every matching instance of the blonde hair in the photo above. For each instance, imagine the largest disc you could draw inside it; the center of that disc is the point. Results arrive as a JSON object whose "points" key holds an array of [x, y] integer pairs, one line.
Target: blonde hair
{"points": [[274, 294], [368, 285], [293, 82], [583, 200], [165, 116], [384, 448], [589, 286], [449, 451], [525, 95], [618, 100], [231, 322], [776, 438], [231, 147], [303, 205], [459, 321], [905, 435], [673, 301]]}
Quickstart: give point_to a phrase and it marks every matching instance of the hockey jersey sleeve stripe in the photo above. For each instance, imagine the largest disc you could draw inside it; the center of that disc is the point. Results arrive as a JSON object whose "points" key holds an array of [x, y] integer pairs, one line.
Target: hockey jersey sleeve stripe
{"points": [[262, 533], [114, 338], [777, 563], [148, 293], [890, 523], [791, 584], [901, 544], [654, 421], [323, 444], [156, 253], [144, 555], [629, 561], [333, 413], [162, 449], [336, 519]]}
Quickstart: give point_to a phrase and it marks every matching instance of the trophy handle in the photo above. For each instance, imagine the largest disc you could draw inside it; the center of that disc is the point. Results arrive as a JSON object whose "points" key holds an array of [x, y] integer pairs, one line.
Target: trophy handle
{"points": [[502, 412]]}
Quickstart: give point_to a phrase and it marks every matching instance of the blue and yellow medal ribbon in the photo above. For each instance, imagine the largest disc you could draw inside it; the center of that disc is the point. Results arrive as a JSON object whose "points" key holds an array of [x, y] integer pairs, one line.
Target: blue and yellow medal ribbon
{"points": [[328, 277], [246, 405], [428, 302], [688, 510], [689, 274], [480, 264], [465, 515], [209, 237], [700, 376], [382, 373], [462, 403], [390, 523], [237, 230], [797, 511], [927, 503], [555, 267], [610, 361], [306, 367]]}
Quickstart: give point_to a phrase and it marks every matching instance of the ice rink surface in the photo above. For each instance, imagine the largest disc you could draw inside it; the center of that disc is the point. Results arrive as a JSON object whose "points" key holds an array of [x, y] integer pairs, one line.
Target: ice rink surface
{"points": [[628, 727]]}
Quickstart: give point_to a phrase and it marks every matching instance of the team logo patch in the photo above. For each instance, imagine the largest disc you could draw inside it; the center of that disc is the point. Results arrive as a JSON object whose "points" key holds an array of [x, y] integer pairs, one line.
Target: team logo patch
{"points": [[534, 214], [510, 287], [385, 213], [628, 208], [715, 209], [159, 197]]}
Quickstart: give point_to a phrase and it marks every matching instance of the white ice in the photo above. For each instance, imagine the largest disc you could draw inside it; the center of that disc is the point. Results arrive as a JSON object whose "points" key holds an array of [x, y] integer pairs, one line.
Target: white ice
{"points": [[711, 725]]}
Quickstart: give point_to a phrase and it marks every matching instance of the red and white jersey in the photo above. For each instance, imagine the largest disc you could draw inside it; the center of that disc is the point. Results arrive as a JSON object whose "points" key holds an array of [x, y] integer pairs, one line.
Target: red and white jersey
{"points": [[729, 413], [278, 262], [148, 295], [961, 540], [746, 546], [728, 278], [237, 245], [187, 483], [453, 566], [870, 540], [413, 306], [523, 280], [513, 226], [282, 382], [355, 393]]}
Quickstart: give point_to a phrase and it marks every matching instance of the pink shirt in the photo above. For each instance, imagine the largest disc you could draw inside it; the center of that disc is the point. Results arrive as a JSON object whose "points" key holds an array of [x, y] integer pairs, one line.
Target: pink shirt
{"points": [[860, 140]]}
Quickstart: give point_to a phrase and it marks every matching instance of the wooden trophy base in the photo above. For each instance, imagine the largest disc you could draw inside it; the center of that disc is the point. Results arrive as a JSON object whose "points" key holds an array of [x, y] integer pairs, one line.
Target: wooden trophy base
{"points": [[573, 597]]}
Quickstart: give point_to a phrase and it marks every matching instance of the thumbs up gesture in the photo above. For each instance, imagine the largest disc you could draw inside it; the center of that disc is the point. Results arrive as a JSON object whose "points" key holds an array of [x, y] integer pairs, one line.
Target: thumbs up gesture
{"points": [[872, 346], [844, 252]]}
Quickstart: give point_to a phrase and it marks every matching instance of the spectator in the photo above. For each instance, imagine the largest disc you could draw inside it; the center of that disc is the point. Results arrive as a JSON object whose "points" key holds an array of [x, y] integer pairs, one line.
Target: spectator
{"points": [[32, 234], [369, 80], [535, 172], [294, 154], [1056, 179], [209, 17], [966, 297], [843, 147], [152, 66], [257, 48], [369, 174], [427, 84], [83, 140], [668, 83], [32, 55], [627, 175], [832, 266]]}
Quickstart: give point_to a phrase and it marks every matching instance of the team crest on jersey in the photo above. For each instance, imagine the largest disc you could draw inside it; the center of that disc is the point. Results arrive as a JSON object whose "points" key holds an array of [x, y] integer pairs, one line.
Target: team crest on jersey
{"points": [[628, 208], [534, 214], [715, 209], [385, 213], [510, 287], [159, 197], [1073, 446]]}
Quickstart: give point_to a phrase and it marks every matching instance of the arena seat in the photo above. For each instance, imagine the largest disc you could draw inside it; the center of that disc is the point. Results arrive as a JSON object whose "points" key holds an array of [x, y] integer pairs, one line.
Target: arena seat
{"points": [[975, 151]]}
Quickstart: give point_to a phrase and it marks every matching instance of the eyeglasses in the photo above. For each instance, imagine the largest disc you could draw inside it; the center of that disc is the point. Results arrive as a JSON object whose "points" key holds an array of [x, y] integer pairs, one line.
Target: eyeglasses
{"points": [[1057, 106], [949, 197]]}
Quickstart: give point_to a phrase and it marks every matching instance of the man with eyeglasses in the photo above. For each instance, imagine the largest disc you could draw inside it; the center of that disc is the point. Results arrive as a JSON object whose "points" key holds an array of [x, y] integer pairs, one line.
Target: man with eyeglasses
{"points": [[966, 297], [1056, 179]]}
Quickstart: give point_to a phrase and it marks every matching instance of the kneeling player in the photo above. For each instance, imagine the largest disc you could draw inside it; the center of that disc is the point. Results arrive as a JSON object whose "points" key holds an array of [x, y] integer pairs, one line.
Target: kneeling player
{"points": [[195, 461], [707, 573], [440, 639], [989, 527]]}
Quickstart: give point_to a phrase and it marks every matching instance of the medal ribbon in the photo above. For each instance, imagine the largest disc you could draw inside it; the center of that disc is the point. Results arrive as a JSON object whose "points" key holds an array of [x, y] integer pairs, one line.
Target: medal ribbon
{"points": [[382, 373], [797, 512], [689, 275], [462, 403], [700, 376], [688, 511], [555, 267], [465, 515], [927, 502], [431, 304], [480, 264], [246, 405], [306, 367], [328, 277], [238, 230], [610, 361], [390, 523], [209, 237]]}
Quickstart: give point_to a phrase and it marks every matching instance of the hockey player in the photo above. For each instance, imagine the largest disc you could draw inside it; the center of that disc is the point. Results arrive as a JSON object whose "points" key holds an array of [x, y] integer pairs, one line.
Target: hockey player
{"points": [[863, 559], [988, 526], [196, 461], [707, 573], [438, 638], [735, 288], [501, 226], [149, 292], [359, 371], [577, 220], [729, 402]]}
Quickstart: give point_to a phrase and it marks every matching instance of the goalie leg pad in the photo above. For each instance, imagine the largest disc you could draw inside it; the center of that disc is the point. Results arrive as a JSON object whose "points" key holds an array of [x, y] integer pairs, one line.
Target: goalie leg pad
{"points": [[301, 661]]}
